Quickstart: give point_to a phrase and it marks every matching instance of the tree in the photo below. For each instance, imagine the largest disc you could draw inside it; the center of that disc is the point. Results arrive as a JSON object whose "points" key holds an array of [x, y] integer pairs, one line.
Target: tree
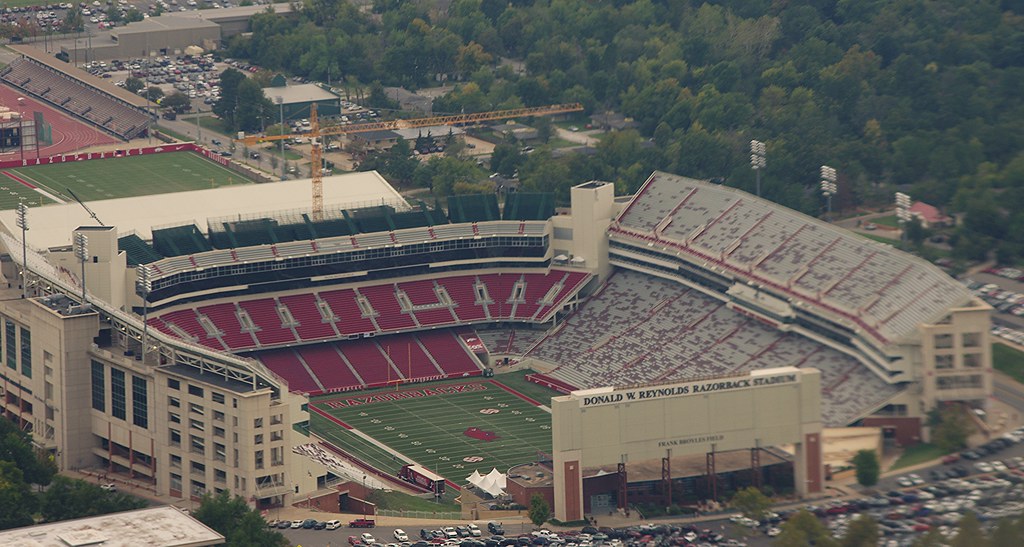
{"points": [[36, 466], [950, 428], [16, 500], [68, 498], [862, 532], [154, 93], [752, 503], [177, 101], [134, 84], [804, 529], [540, 512], [867, 467], [969, 532], [240, 525]]}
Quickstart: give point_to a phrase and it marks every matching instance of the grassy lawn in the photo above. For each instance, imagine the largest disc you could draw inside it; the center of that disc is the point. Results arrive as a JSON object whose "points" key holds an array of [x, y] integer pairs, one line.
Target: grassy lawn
{"points": [[131, 176], [880, 239], [174, 134], [916, 454], [13, 192], [212, 123], [448, 427], [890, 221], [1009, 361]]}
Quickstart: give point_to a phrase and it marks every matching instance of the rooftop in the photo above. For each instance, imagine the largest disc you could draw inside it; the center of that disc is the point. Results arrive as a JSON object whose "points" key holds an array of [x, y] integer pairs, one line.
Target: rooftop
{"points": [[300, 93], [164, 526], [52, 224], [162, 23]]}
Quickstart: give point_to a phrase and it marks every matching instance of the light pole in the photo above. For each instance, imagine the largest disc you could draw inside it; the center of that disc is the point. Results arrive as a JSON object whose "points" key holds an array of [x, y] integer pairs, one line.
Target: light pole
{"points": [[758, 161], [22, 222], [82, 254], [364, 496], [280, 103], [144, 286], [828, 186], [903, 214]]}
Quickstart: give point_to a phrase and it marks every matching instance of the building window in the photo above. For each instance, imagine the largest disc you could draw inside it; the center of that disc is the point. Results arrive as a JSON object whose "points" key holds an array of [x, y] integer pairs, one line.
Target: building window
{"points": [[197, 445], [972, 381], [943, 341], [218, 416], [217, 397], [174, 418], [198, 409], [198, 488], [173, 402], [195, 391], [175, 461], [175, 437], [971, 339], [258, 439], [220, 476], [198, 468], [26, 353], [220, 452], [277, 419], [943, 362], [175, 482], [118, 406], [173, 384], [257, 423], [972, 360], [140, 403], [277, 456], [196, 424], [11, 344], [218, 432], [99, 385], [276, 435], [259, 459]]}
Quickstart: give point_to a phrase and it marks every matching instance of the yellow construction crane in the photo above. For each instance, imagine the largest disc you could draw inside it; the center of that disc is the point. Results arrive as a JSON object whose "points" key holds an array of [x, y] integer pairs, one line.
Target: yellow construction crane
{"points": [[316, 133]]}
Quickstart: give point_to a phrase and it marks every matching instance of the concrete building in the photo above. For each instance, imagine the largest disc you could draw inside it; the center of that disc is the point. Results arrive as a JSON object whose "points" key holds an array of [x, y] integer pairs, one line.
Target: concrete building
{"points": [[158, 526], [297, 100], [164, 35]]}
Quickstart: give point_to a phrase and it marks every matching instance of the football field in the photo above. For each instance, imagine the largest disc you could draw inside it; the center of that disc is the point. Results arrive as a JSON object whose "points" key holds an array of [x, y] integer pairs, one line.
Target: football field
{"points": [[115, 178], [449, 428]]}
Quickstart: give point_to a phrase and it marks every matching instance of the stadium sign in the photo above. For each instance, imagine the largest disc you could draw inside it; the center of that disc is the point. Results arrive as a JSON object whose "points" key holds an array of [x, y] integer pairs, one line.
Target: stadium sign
{"points": [[597, 397]]}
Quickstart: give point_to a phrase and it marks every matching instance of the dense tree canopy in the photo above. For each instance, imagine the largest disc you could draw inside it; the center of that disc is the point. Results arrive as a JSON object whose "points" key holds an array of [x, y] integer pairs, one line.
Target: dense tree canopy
{"points": [[240, 525], [911, 94]]}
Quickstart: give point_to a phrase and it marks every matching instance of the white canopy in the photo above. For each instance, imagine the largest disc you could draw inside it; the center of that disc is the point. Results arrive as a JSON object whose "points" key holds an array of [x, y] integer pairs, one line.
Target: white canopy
{"points": [[493, 483]]}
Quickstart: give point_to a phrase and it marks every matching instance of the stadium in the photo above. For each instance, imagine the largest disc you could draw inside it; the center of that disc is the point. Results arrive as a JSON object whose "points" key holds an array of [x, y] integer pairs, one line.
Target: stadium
{"points": [[231, 338]]}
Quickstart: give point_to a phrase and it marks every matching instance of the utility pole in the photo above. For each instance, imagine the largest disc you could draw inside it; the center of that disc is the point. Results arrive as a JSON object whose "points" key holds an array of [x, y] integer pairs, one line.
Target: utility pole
{"points": [[280, 103]]}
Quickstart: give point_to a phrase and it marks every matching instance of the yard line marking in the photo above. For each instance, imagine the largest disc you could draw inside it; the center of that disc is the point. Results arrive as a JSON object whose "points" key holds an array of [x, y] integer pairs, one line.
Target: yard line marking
{"points": [[22, 181]]}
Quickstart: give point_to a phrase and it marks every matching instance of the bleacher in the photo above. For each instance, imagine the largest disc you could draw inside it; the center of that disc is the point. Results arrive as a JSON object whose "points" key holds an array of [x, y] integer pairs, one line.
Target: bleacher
{"points": [[374, 362], [640, 328], [375, 309], [136, 250], [77, 98], [867, 285], [179, 240], [473, 208]]}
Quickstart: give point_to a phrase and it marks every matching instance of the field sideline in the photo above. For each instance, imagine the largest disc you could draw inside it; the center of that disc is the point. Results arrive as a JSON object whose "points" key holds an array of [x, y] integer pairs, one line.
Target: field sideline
{"points": [[449, 428], [117, 178]]}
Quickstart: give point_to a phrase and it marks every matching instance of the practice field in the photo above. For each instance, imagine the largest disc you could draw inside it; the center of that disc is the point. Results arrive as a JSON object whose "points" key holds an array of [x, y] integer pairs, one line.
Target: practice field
{"points": [[450, 428], [120, 177]]}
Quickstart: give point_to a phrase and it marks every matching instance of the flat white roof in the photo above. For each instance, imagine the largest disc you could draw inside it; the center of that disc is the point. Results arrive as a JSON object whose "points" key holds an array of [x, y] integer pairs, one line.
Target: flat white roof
{"points": [[299, 93], [50, 226], [164, 526]]}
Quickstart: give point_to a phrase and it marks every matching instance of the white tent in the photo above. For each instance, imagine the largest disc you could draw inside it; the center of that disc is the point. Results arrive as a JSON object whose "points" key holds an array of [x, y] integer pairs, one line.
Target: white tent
{"points": [[492, 483], [474, 478], [498, 477]]}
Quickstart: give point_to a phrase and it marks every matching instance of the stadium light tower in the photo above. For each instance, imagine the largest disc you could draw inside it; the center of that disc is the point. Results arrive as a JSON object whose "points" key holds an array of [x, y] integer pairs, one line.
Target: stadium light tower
{"points": [[758, 161], [903, 214], [828, 186], [82, 254], [144, 286], [22, 222], [280, 103]]}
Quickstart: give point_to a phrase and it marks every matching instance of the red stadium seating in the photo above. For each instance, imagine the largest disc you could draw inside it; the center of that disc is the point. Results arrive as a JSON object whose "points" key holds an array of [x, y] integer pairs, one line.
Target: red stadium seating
{"points": [[391, 316], [285, 363], [350, 319], [264, 314], [460, 288], [330, 369], [223, 316], [311, 322]]}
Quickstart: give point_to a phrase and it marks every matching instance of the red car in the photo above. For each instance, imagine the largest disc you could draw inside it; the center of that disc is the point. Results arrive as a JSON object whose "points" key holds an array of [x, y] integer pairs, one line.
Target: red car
{"points": [[950, 458]]}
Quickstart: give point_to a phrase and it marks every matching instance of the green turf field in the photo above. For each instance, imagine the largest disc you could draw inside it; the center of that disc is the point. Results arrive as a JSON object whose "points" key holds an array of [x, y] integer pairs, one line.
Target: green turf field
{"points": [[13, 192], [120, 177], [428, 424]]}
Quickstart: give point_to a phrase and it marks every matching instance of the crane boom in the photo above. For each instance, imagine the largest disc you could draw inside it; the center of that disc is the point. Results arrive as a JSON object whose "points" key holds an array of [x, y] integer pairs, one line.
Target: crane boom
{"points": [[316, 133]]}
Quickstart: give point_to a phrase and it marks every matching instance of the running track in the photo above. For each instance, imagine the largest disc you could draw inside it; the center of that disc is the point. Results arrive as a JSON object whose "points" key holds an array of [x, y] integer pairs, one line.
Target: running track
{"points": [[69, 134]]}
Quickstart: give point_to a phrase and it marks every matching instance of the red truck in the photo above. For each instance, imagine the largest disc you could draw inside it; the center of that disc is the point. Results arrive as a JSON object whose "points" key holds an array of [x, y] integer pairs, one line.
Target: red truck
{"points": [[423, 478], [362, 523]]}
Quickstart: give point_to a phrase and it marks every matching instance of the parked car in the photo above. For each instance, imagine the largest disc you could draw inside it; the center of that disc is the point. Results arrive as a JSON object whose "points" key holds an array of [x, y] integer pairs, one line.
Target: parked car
{"points": [[400, 535]]}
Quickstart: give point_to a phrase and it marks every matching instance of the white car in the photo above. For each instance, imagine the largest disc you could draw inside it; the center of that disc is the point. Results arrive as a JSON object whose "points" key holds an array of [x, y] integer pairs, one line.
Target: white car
{"points": [[333, 524], [474, 530], [984, 467], [109, 487], [772, 532], [368, 538], [297, 523], [905, 482], [400, 535], [450, 532], [916, 479]]}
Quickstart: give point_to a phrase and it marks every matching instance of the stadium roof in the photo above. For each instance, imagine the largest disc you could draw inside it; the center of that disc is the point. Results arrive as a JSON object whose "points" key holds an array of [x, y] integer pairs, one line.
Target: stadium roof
{"points": [[868, 285], [301, 93], [165, 526], [51, 225]]}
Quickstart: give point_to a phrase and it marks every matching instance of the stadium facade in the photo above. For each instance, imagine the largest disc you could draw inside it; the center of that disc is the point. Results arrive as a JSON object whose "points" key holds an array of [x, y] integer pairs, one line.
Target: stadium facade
{"points": [[197, 388]]}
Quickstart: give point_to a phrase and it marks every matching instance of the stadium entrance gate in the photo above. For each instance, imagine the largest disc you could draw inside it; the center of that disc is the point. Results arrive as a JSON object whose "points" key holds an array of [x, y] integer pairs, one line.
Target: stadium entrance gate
{"points": [[614, 426]]}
